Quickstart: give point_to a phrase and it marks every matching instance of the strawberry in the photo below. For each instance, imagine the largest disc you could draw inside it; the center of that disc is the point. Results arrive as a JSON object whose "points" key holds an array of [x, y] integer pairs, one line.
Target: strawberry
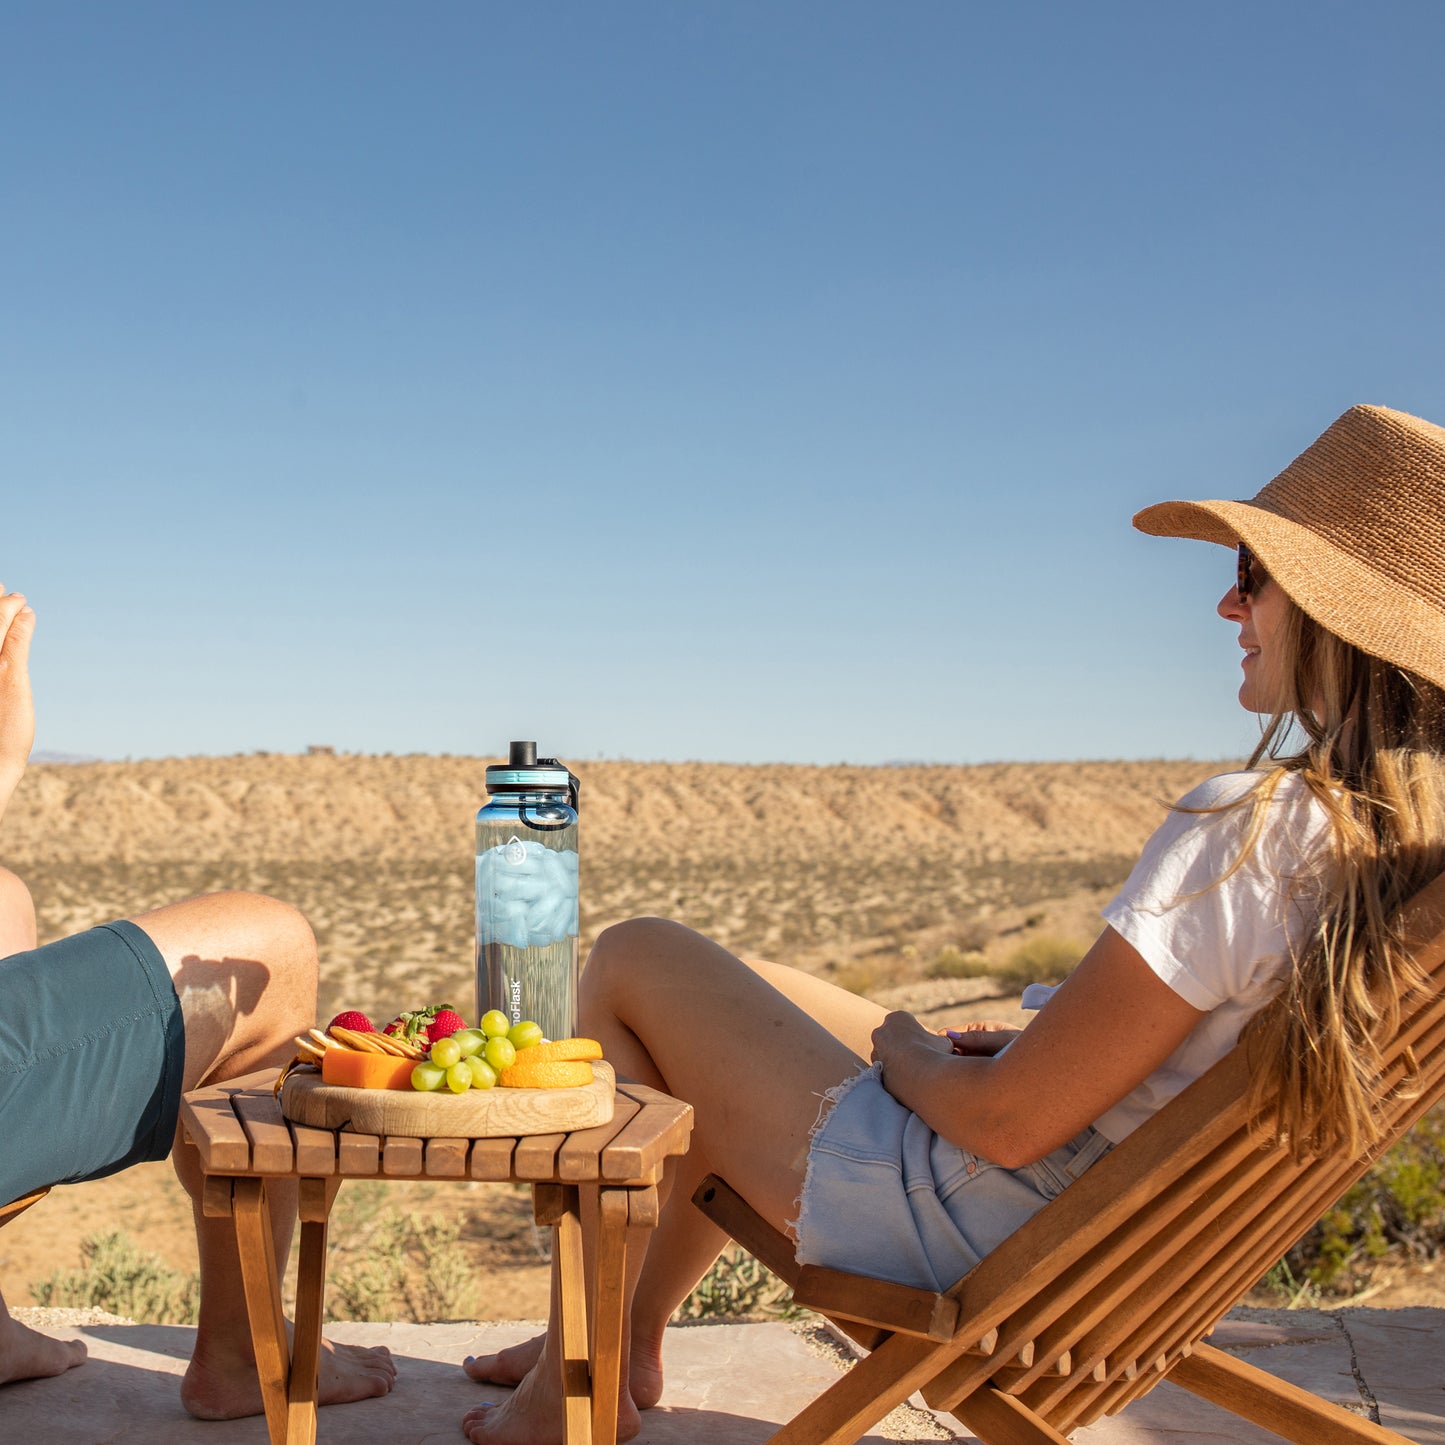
{"points": [[445, 1024], [419, 1026], [353, 1019]]}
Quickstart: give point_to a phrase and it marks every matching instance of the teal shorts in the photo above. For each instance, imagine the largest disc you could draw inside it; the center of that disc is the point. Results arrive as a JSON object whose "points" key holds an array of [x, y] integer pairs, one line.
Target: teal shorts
{"points": [[92, 1051]]}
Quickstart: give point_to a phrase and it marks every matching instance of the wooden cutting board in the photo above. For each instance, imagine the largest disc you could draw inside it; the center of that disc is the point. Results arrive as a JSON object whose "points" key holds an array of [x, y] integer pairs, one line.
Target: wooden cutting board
{"points": [[477, 1114]]}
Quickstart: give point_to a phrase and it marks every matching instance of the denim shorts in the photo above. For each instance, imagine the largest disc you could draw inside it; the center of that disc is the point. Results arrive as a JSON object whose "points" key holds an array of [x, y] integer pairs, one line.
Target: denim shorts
{"points": [[92, 1052], [885, 1196]]}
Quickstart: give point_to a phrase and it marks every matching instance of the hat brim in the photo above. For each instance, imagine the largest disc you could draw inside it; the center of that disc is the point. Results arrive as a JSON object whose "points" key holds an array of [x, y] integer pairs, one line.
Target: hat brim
{"points": [[1367, 609]]}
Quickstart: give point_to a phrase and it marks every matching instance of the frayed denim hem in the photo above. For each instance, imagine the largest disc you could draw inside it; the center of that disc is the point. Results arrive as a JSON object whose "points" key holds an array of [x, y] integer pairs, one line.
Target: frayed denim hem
{"points": [[827, 1102]]}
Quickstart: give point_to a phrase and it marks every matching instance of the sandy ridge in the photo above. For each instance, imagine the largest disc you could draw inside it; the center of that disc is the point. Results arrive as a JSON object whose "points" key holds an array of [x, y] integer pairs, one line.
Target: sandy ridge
{"points": [[299, 808]]}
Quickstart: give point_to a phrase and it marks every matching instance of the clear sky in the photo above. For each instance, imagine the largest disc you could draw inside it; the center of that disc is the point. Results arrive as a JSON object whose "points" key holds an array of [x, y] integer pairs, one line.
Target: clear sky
{"points": [[736, 381]]}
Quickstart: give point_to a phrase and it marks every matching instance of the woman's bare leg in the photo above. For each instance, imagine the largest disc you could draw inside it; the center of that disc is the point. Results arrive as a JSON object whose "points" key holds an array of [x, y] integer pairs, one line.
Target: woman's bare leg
{"points": [[244, 967], [753, 1048]]}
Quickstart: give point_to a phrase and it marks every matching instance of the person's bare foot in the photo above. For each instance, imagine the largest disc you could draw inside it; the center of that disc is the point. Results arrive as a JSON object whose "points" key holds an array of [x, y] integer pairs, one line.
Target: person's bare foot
{"points": [[26, 1354], [223, 1386], [511, 1366], [534, 1413]]}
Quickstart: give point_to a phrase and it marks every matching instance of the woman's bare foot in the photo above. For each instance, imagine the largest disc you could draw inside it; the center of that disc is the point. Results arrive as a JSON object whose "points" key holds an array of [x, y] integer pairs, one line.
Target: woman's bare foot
{"points": [[221, 1386], [534, 1413], [511, 1366], [26, 1354]]}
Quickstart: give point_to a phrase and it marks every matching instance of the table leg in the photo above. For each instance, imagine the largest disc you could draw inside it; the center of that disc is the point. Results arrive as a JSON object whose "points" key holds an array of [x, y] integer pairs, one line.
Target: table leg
{"points": [[609, 1273], [317, 1197], [263, 1301], [558, 1205]]}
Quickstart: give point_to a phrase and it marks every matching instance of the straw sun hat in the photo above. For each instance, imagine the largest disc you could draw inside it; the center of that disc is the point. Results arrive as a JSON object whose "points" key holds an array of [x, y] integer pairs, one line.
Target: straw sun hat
{"points": [[1353, 530]]}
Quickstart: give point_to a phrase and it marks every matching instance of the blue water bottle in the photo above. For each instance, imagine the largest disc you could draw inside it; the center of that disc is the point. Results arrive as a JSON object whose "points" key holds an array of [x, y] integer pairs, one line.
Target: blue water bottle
{"points": [[527, 934]]}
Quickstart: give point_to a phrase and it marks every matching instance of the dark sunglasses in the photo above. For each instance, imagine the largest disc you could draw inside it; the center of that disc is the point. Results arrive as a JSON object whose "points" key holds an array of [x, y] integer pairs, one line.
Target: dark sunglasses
{"points": [[1250, 576]]}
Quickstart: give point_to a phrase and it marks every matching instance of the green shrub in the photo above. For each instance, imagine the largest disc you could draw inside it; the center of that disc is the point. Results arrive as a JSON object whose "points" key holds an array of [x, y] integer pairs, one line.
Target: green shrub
{"points": [[738, 1286], [388, 1264], [1045, 958], [857, 978], [1397, 1210], [115, 1276], [954, 963]]}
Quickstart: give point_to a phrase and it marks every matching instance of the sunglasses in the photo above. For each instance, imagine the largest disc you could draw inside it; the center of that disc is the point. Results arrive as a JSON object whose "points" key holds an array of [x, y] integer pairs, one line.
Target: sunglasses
{"points": [[1250, 576]]}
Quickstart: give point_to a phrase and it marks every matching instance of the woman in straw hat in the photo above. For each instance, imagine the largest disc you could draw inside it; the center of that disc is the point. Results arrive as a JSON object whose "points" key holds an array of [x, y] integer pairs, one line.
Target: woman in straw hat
{"points": [[1288, 878]]}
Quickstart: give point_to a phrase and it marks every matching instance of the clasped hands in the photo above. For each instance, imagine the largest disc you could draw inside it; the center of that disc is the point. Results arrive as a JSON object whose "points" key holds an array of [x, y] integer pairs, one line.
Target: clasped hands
{"points": [[901, 1034]]}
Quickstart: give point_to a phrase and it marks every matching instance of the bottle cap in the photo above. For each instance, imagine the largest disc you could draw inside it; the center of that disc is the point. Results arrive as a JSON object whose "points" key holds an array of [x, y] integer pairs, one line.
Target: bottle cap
{"points": [[525, 772]]}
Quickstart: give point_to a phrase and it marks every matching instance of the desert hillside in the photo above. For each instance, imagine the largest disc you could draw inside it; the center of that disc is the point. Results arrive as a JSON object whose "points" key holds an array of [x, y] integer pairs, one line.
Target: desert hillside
{"points": [[818, 865], [320, 809]]}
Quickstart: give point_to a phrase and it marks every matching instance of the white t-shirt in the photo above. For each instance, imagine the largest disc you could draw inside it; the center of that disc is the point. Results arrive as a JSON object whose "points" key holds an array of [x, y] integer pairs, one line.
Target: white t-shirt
{"points": [[1221, 946]]}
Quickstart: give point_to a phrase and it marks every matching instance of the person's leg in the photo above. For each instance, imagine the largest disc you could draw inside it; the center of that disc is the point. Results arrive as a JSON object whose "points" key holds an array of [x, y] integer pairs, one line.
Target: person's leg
{"points": [[244, 968], [753, 1048], [25, 1354]]}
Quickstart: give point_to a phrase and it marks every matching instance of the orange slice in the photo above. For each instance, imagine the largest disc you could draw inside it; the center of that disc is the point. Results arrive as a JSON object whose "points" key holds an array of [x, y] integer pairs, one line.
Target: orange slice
{"points": [[564, 1051], [563, 1074], [365, 1071]]}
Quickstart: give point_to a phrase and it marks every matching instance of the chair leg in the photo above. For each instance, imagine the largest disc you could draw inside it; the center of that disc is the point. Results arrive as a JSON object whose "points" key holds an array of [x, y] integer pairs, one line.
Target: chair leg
{"points": [[999, 1419], [1256, 1395], [863, 1396]]}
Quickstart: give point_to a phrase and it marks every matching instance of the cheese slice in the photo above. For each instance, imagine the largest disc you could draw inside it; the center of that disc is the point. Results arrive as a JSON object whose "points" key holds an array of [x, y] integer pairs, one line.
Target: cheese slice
{"points": [[355, 1070]]}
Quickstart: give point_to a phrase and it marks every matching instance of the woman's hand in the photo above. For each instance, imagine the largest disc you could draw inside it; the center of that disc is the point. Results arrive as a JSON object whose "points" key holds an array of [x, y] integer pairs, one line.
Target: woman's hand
{"points": [[17, 706], [981, 1040], [901, 1039]]}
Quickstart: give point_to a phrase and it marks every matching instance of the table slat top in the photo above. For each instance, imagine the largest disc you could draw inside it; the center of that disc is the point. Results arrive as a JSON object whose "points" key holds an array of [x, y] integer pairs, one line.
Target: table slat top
{"points": [[238, 1129]]}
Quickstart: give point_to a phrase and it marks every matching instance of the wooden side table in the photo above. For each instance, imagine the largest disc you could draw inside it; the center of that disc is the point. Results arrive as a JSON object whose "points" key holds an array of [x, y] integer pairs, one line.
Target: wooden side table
{"points": [[244, 1140]]}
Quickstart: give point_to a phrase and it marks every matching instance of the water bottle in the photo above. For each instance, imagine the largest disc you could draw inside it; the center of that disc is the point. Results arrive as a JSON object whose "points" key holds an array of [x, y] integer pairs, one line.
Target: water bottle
{"points": [[527, 934]]}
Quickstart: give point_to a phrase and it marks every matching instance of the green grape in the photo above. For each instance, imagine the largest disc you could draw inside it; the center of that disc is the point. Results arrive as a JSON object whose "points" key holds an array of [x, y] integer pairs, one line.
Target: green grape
{"points": [[459, 1077], [484, 1076], [470, 1040], [500, 1054], [494, 1023], [446, 1052], [524, 1034], [427, 1077]]}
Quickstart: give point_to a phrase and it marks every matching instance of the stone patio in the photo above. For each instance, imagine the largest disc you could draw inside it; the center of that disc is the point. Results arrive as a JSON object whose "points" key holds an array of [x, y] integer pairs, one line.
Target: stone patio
{"points": [[728, 1384]]}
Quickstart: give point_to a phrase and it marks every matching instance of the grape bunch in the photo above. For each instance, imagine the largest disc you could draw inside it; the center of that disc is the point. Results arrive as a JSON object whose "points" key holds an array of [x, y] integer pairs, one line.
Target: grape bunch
{"points": [[473, 1058]]}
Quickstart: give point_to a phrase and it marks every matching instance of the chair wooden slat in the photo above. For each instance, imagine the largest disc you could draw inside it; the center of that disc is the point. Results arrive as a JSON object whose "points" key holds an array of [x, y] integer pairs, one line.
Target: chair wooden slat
{"points": [[17, 1207]]}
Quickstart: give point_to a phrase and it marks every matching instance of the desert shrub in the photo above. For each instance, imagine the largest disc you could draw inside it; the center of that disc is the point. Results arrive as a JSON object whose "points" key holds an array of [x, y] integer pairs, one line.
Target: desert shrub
{"points": [[389, 1264], [1045, 958], [1396, 1211], [954, 963], [738, 1286], [858, 978], [115, 1276]]}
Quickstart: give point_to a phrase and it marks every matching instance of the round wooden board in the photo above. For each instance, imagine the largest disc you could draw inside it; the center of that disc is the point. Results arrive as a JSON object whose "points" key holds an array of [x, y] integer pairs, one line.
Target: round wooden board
{"points": [[477, 1114]]}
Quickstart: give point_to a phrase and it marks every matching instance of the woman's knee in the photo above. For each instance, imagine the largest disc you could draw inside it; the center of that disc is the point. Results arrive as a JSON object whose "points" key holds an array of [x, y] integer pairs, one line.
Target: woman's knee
{"points": [[623, 950]]}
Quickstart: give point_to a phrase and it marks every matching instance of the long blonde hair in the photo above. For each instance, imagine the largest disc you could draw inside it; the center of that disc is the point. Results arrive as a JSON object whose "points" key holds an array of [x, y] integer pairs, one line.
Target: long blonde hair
{"points": [[1368, 739]]}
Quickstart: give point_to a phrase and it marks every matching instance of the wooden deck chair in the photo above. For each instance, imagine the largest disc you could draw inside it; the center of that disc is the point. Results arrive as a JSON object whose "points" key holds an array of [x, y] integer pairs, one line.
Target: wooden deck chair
{"points": [[1113, 1286], [19, 1206]]}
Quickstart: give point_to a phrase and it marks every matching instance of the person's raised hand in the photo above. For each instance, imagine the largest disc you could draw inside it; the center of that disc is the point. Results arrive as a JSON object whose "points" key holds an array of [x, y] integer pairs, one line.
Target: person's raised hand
{"points": [[17, 705]]}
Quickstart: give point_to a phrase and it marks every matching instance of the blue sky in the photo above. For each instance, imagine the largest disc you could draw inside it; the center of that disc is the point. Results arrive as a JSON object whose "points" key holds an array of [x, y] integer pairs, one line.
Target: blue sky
{"points": [[743, 382]]}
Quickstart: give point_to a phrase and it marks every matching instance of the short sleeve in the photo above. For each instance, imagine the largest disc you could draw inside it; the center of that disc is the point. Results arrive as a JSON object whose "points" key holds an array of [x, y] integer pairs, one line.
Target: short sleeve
{"points": [[1210, 938]]}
